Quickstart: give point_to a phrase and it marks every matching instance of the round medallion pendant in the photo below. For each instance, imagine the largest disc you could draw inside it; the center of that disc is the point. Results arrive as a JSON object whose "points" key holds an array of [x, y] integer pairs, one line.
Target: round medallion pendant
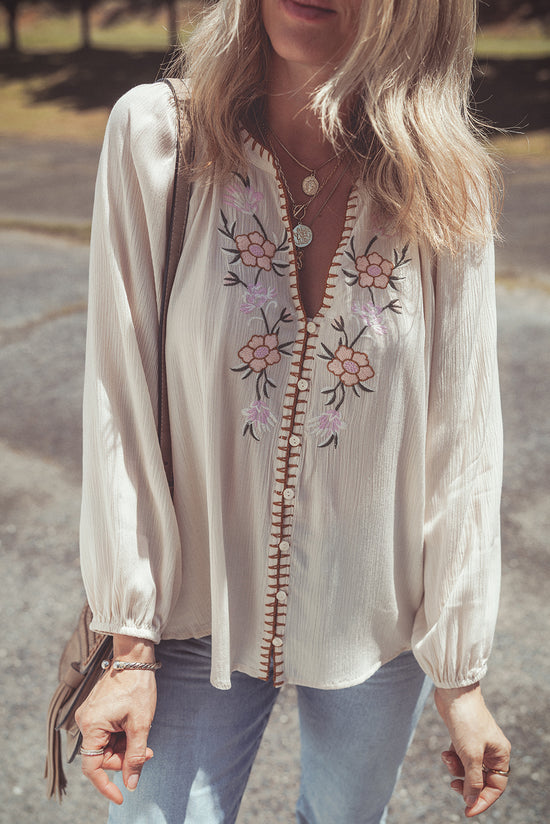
{"points": [[310, 185], [302, 235]]}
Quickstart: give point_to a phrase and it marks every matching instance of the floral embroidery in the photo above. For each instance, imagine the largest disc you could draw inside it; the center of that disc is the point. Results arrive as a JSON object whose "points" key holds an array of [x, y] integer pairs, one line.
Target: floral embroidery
{"points": [[260, 352], [371, 316], [258, 419], [350, 366], [327, 426], [255, 250], [241, 196], [252, 249], [257, 296], [372, 270]]}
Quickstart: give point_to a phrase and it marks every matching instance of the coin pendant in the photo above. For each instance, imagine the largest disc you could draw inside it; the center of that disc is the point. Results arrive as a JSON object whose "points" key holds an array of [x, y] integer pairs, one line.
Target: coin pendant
{"points": [[302, 235], [310, 185]]}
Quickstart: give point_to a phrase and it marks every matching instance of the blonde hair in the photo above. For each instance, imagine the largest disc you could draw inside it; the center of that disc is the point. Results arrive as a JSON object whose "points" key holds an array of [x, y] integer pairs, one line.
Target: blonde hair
{"points": [[421, 153]]}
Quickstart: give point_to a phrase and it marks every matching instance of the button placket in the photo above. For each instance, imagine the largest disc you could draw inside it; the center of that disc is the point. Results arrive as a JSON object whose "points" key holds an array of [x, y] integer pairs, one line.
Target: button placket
{"points": [[289, 450]]}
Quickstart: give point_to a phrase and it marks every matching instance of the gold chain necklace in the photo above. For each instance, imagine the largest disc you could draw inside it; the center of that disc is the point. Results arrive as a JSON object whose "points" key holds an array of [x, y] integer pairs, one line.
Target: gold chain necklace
{"points": [[302, 232], [310, 183]]}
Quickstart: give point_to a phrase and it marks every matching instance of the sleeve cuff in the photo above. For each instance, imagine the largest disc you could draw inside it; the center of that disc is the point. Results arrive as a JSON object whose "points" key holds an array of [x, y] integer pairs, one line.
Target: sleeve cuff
{"points": [[114, 628]]}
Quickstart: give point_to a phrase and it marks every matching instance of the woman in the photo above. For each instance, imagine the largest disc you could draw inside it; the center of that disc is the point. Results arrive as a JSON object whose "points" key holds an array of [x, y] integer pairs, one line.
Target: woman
{"points": [[334, 415]]}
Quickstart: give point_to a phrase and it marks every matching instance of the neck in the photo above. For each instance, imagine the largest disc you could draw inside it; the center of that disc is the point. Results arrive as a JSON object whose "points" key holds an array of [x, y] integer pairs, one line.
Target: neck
{"points": [[289, 116]]}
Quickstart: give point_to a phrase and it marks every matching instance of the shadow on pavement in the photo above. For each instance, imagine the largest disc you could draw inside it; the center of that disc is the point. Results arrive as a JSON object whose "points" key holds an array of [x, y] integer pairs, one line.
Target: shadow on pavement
{"points": [[82, 79], [509, 93], [513, 93]]}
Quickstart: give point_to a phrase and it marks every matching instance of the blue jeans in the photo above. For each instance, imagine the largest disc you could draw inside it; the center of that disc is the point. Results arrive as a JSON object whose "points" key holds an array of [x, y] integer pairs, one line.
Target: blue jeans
{"points": [[353, 742]]}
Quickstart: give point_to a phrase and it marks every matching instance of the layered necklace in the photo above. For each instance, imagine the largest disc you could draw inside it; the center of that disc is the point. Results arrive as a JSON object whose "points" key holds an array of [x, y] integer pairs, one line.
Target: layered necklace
{"points": [[310, 183], [302, 232]]}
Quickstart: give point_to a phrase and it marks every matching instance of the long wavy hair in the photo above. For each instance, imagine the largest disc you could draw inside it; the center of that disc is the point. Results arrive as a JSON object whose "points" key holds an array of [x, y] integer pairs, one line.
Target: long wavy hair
{"points": [[420, 151]]}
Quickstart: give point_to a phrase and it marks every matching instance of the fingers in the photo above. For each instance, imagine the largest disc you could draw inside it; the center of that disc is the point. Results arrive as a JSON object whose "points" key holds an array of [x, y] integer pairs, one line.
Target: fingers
{"points": [[114, 760], [452, 762], [94, 766], [474, 780], [466, 782], [135, 755]]}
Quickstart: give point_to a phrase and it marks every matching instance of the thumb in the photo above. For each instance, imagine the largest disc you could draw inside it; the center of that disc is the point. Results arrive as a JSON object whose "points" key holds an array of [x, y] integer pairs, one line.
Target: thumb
{"points": [[135, 756], [473, 783]]}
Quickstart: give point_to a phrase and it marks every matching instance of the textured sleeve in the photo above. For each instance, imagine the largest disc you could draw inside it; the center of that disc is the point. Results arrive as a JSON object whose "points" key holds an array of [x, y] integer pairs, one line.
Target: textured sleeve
{"points": [[130, 553], [454, 627]]}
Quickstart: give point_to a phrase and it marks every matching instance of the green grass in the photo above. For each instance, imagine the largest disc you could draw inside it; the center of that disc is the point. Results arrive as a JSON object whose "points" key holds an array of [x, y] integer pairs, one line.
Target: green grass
{"points": [[43, 31], [28, 108], [40, 32], [510, 48]]}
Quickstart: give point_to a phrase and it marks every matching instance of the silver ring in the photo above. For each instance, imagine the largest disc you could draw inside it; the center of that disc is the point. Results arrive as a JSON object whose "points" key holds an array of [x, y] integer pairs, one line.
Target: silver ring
{"points": [[496, 772], [100, 751]]}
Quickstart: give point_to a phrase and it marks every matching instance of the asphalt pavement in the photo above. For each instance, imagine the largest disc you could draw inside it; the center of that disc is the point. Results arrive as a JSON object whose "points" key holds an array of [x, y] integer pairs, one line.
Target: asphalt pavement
{"points": [[47, 189]]}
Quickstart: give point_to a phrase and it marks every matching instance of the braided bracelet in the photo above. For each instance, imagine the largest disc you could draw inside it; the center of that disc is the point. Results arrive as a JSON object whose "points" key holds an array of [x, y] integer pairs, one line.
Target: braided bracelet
{"points": [[130, 665]]}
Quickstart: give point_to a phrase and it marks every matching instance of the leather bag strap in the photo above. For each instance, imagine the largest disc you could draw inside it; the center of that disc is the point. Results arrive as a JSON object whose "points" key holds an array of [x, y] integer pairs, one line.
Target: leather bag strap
{"points": [[181, 195]]}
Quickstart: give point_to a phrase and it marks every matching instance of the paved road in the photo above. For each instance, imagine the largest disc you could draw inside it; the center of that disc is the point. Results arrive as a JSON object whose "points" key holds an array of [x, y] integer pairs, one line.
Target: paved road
{"points": [[42, 325]]}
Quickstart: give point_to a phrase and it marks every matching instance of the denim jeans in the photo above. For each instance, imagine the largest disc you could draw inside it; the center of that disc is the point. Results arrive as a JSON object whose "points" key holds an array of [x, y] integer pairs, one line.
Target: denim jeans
{"points": [[353, 742]]}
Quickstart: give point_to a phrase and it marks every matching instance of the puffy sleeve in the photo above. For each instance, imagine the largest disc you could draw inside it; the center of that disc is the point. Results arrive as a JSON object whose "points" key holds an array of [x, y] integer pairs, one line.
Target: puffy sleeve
{"points": [[454, 627], [130, 553]]}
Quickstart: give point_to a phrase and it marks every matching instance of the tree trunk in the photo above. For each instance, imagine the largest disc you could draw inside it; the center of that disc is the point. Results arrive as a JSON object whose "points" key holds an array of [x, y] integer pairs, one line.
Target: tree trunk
{"points": [[85, 36], [172, 22], [13, 39]]}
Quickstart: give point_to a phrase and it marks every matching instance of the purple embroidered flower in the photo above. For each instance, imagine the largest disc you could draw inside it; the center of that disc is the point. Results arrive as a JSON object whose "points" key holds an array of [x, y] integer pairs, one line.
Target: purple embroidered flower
{"points": [[330, 422], [327, 426], [243, 198], [371, 315], [258, 417], [257, 295]]}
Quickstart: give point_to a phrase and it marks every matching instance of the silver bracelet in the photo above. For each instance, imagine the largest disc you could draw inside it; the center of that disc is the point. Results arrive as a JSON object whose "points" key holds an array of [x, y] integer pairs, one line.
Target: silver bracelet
{"points": [[130, 665]]}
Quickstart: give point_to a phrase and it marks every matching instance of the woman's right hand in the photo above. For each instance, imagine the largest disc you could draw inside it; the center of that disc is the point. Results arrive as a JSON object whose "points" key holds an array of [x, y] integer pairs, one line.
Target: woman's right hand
{"points": [[117, 715]]}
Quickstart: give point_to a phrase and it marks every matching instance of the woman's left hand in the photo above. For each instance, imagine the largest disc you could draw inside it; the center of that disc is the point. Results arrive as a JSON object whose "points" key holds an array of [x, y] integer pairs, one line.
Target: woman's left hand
{"points": [[476, 741]]}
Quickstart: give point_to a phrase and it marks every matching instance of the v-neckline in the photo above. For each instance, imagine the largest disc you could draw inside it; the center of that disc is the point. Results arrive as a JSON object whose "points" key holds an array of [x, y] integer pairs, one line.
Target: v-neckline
{"points": [[264, 158]]}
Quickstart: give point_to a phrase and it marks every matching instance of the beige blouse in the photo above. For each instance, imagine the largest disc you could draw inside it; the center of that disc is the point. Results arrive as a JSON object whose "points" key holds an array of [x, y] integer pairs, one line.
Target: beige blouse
{"points": [[337, 480]]}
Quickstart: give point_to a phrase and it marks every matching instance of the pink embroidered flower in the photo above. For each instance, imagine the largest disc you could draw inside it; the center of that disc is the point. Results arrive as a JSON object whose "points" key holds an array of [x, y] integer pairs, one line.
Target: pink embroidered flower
{"points": [[260, 352], [259, 416], [256, 296], [329, 423], [243, 198], [350, 366], [371, 316], [255, 250], [374, 270]]}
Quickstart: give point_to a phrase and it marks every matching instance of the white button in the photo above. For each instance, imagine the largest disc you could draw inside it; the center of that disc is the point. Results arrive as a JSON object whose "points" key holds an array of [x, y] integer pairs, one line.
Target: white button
{"points": [[311, 327], [281, 596], [294, 440], [277, 642], [284, 546], [288, 493], [302, 384]]}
